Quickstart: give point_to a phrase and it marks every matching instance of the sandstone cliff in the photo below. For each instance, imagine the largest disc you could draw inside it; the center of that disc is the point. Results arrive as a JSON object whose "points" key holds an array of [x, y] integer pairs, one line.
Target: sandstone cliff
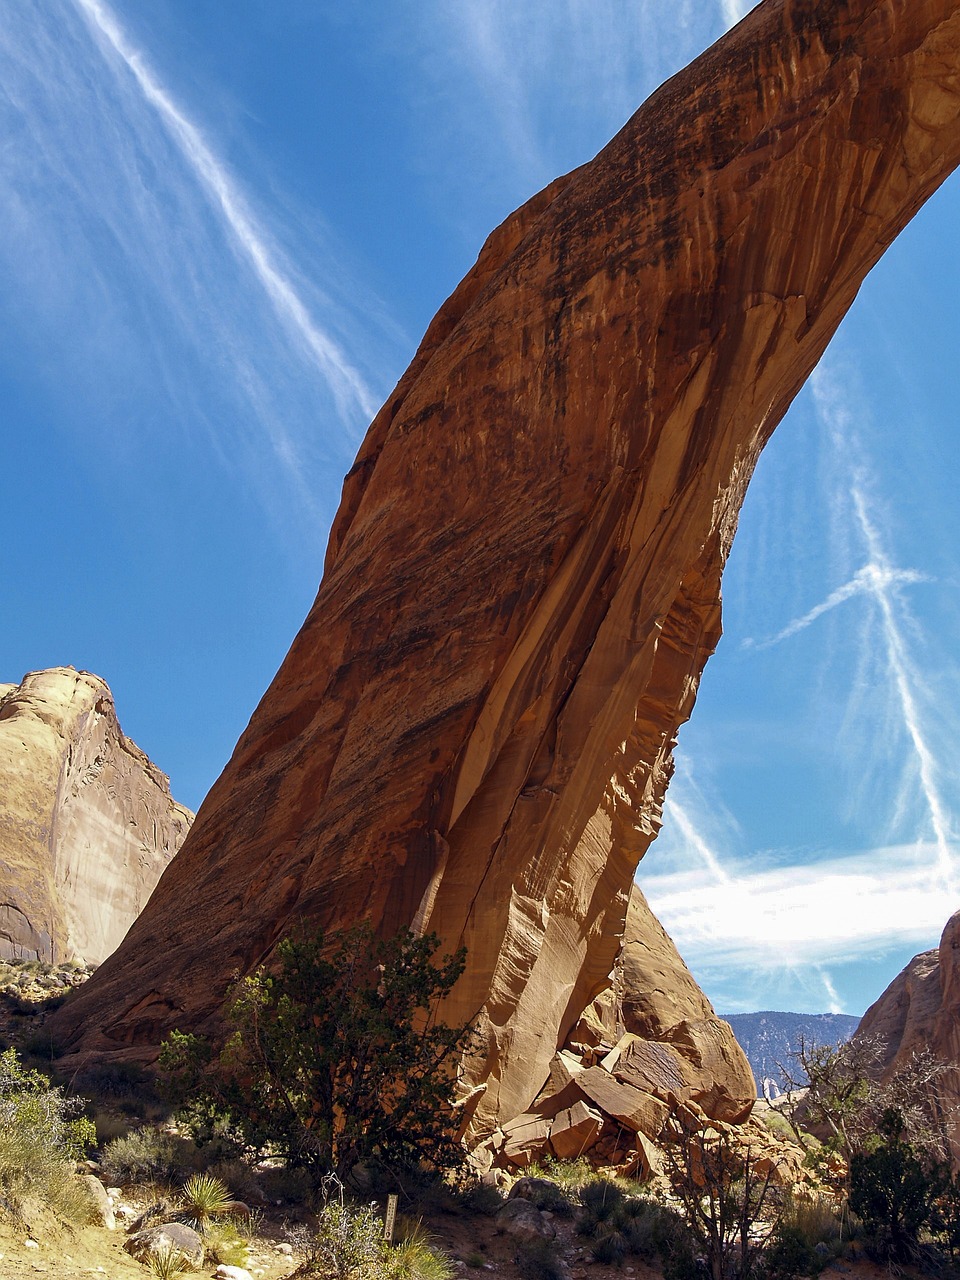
{"points": [[921, 1010], [649, 1043], [472, 731], [87, 823]]}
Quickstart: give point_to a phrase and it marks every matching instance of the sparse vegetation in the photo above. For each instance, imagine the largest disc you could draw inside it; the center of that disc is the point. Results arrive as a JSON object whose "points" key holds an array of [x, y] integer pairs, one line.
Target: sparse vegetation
{"points": [[41, 1138], [725, 1198], [146, 1155], [337, 1059]]}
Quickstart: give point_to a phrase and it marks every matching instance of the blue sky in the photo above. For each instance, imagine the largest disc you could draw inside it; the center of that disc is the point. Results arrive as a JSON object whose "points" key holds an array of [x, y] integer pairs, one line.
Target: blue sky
{"points": [[226, 228]]}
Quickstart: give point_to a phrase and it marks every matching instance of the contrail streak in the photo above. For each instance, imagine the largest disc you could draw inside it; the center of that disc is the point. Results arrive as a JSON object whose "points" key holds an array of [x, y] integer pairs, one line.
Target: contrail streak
{"points": [[344, 380], [904, 678], [679, 816], [869, 580]]}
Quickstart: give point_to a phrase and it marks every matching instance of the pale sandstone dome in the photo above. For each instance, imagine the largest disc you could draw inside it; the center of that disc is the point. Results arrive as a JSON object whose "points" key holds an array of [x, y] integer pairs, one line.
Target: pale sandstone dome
{"points": [[921, 1010], [87, 822], [472, 732]]}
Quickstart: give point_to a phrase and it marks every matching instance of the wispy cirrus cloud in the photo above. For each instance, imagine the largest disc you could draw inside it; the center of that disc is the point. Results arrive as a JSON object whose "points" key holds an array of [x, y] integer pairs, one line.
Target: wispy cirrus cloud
{"points": [[332, 361], [143, 271], [513, 61], [799, 919], [826, 911]]}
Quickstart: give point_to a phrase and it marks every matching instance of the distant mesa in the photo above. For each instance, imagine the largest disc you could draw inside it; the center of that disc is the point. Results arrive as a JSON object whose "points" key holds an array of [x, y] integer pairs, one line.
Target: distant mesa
{"points": [[87, 822], [473, 731], [920, 1010], [771, 1041]]}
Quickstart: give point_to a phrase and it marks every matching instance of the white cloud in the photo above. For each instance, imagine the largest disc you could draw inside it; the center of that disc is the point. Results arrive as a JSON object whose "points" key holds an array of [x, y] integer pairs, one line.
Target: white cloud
{"points": [[817, 914], [348, 387], [733, 10]]}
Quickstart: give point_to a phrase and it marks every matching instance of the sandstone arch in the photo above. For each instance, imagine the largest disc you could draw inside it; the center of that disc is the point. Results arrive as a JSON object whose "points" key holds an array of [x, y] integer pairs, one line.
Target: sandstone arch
{"points": [[473, 728]]}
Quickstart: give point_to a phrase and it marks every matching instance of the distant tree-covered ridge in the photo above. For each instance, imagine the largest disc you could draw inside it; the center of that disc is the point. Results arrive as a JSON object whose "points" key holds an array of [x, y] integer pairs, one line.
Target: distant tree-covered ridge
{"points": [[770, 1037]]}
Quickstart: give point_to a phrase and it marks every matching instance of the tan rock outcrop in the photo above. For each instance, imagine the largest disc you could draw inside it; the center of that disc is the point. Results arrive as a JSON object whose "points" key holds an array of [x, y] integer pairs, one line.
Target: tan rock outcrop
{"points": [[648, 1045], [87, 823], [472, 731], [920, 1010]]}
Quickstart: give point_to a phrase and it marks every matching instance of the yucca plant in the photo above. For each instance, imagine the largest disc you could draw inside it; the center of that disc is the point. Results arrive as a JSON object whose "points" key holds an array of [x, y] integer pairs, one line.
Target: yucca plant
{"points": [[203, 1199], [166, 1263]]}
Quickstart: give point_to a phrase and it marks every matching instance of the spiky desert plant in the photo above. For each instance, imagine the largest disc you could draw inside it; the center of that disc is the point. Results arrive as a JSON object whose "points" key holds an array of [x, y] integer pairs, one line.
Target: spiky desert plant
{"points": [[166, 1263], [203, 1199]]}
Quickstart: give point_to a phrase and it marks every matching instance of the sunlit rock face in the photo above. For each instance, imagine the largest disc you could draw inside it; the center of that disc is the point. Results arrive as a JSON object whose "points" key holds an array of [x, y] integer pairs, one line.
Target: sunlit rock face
{"points": [[472, 732], [648, 1043], [87, 823], [920, 1010]]}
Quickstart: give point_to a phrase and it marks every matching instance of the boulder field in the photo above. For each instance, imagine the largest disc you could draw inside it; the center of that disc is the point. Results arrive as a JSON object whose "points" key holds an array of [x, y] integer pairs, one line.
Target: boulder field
{"points": [[472, 732], [87, 822]]}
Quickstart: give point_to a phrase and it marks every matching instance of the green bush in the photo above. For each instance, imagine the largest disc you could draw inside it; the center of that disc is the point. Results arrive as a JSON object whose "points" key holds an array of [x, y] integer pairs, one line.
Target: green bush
{"points": [[480, 1198], [337, 1059], [146, 1155], [539, 1260], [894, 1193], [41, 1139]]}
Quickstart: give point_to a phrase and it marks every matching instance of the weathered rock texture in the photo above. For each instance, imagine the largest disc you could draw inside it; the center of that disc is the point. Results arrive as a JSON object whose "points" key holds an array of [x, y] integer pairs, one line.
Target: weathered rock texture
{"points": [[87, 823], [921, 1010], [648, 1044], [472, 731]]}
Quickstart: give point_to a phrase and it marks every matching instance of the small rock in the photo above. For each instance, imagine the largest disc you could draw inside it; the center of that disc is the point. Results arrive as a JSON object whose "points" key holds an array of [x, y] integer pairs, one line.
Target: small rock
{"points": [[519, 1218], [30, 1244], [169, 1236], [225, 1272], [100, 1200], [286, 1249]]}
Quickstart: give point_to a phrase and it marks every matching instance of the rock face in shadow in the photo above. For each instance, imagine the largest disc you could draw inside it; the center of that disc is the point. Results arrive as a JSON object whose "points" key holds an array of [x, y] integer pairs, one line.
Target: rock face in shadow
{"points": [[87, 823], [472, 732], [920, 1010]]}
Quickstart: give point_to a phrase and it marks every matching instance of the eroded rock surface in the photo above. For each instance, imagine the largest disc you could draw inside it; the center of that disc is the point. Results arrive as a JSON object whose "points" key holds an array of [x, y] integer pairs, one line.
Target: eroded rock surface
{"points": [[647, 1045], [87, 823], [472, 731], [920, 1010]]}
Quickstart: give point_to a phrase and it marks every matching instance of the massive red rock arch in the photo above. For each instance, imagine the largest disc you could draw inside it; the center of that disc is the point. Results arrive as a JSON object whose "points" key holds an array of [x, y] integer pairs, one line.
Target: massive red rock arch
{"points": [[473, 729]]}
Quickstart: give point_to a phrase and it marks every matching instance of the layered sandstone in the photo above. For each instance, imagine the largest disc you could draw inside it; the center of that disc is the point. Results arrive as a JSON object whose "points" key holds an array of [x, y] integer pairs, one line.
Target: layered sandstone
{"points": [[647, 1045], [87, 823], [472, 731], [919, 1011]]}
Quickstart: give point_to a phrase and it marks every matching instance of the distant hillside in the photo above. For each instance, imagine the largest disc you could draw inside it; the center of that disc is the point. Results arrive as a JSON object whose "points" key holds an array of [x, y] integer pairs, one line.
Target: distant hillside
{"points": [[769, 1038]]}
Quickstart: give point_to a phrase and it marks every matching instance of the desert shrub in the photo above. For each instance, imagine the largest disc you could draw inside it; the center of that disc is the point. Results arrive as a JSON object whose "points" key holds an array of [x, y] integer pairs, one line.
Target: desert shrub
{"points": [[945, 1215], [415, 1256], [600, 1200], [41, 1138], [620, 1224], [480, 1198], [804, 1240], [723, 1196], [569, 1174], [146, 1155], [894, 1193], [543, 1193], [348, 1240], [539, 1260], [337, 1059], [223, 1244]]}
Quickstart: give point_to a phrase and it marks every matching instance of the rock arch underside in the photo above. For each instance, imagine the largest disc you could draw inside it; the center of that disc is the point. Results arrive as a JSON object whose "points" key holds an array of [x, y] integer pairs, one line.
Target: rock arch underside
{"points": [[472, 732]]}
